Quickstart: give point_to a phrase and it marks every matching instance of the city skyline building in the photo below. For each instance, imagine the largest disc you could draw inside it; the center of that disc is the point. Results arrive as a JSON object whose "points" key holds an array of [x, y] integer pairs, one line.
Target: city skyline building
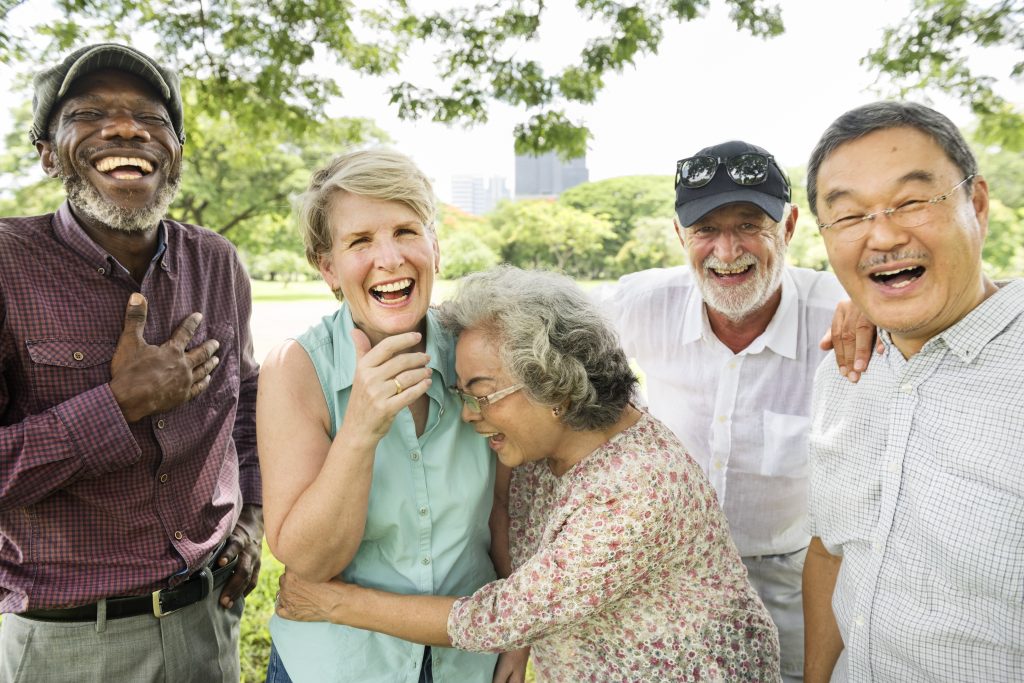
{"points": [[548, 175]]}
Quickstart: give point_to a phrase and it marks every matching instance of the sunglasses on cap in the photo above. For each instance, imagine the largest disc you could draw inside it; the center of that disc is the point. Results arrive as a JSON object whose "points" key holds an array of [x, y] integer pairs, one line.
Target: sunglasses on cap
{"points": [[749, 168]]}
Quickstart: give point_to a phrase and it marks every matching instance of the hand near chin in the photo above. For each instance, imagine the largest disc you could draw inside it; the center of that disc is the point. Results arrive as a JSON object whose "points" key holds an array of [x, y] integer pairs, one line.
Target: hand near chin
{"points": [[389, 377], [301, 600]]}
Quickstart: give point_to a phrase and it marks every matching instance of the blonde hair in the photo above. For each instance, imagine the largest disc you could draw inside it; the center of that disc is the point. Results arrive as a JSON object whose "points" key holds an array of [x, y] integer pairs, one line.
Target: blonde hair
{"points": [[379, 173]]}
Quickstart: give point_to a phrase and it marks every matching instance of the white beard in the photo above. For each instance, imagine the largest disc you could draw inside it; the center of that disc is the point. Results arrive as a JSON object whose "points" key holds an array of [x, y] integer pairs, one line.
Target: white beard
{"points": [[737, 302]]}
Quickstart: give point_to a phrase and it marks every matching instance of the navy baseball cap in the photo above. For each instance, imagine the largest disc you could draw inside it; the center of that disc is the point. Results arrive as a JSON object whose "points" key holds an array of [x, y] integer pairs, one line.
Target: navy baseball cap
{"points": [[771, 195]]}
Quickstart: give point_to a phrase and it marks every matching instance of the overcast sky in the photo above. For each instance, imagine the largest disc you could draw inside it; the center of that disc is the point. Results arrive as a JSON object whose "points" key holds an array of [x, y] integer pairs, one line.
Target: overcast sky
{"points": [[709, 83]]}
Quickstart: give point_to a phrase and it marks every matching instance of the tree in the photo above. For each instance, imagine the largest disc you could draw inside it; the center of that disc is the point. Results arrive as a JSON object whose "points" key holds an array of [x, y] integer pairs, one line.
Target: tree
{"points": [[545, 234], [624, 201], [274, 64], [652, 244], [928, 50]]}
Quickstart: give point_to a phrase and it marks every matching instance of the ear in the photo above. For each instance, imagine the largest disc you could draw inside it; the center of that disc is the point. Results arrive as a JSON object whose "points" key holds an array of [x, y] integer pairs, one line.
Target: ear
{"points": [[47, 157], [979, 200], [680, 233], [326, 268], [437, 252], [790, 221]]}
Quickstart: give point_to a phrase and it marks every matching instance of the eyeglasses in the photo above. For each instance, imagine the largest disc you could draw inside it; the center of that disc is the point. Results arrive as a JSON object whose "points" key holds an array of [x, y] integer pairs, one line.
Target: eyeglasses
{"points": [[475, 403], [749, 168], [910, 214]]}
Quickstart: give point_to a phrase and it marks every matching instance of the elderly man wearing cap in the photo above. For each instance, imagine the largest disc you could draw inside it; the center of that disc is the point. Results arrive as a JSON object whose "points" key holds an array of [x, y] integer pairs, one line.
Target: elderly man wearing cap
{"points": [[130, 518], [729, 345]]}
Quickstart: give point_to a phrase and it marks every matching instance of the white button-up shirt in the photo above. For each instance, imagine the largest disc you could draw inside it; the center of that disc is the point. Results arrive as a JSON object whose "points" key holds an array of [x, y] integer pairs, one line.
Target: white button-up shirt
{"points": [[918, 482], [743, 417]]}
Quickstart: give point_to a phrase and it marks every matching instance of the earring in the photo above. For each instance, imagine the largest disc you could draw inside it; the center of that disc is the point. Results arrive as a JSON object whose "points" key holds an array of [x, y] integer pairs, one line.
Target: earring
{"points": [[556, 412]]}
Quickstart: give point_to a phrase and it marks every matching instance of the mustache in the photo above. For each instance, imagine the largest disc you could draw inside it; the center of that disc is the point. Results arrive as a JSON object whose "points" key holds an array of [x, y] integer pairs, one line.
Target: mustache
{"points": [[746, 259], [889, 257]]}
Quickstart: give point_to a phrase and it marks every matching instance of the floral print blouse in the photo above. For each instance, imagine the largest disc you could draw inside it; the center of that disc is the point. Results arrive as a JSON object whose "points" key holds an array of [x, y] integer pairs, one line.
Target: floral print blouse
{"points": [[623, 571]]}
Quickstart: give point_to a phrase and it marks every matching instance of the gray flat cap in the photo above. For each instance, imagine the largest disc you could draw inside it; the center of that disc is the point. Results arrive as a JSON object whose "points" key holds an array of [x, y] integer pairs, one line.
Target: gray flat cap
{"points": [[53, 84]]}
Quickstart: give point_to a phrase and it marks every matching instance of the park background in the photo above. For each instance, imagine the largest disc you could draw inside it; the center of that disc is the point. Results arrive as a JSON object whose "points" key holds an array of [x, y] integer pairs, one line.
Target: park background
{"points": [[272, 89]]}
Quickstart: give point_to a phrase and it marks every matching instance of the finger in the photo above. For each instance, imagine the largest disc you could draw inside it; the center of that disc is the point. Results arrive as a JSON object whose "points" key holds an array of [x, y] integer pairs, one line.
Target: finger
{"points": [[231, 550], [411, 378], [238, 581], [408, 396], [254, 576], [135, 320], [202, 353], [198, 387], [186, 330], [865, 341], [361, 343], [826, 341], [204, 369]]}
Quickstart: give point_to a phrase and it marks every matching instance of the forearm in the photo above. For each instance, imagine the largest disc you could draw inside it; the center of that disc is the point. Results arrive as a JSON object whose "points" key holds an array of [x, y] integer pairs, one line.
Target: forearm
{"points": [[499, 523], [416, 618], [83, 437], [324, 527], [823, 642]]}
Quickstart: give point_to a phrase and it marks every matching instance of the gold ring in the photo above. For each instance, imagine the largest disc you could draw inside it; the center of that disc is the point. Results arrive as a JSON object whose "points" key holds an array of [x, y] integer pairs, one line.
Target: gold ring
{"points": [[398, 385]]}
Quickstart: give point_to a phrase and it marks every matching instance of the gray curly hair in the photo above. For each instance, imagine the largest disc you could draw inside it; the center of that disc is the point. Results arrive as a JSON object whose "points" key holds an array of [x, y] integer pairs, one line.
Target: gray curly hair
{"points": [[550, 337]]}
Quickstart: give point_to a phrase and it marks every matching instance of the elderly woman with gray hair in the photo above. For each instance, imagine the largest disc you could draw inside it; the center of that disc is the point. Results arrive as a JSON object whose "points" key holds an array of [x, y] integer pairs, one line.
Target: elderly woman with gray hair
{"points": [[623, 568]]}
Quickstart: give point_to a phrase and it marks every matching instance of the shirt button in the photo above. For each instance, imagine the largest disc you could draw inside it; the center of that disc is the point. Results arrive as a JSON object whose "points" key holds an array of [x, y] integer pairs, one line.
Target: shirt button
{"points": [[425, 561], [423, 512], [178, 535], [894, 466], [732, 365], [719, 464], [164, 478], [160, 424], [907, 388], [101, 271], [722, 418], [415, 455], [876, 546], [78, 355]]}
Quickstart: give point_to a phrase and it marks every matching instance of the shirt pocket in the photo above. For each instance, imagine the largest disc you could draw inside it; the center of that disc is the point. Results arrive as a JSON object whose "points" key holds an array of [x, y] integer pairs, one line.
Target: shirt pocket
{"points": [[62, 367], [975, 534], [785, 445], [224, 380]]}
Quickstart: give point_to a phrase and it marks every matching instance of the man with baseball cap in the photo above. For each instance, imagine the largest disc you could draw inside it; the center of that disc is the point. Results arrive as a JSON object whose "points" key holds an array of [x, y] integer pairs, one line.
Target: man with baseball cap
{"points": [[729, 345], [130, 510]]}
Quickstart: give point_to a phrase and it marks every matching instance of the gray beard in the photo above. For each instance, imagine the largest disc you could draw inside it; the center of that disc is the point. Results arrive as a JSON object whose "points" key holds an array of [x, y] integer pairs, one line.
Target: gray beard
{"points": [[88, 200], [738, 303]]}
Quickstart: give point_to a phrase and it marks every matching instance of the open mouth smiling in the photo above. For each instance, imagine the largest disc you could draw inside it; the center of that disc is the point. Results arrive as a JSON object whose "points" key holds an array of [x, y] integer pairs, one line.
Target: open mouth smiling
{"points": [[393, 292], [124, 167], [730, 272], [899, 278]]}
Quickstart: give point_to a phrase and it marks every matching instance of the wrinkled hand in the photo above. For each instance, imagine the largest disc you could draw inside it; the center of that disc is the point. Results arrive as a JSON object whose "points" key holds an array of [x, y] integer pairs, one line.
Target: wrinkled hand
{"points": [[246, 543], [375, 397], [301, 600], [511, 666], [852, 335], [148, 379]]}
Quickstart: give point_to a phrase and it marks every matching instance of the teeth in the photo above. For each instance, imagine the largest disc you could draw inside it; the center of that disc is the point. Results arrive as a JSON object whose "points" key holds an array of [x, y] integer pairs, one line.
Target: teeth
{"points": [[894, 272], [110, 163], [393, 286], [730, 271]]}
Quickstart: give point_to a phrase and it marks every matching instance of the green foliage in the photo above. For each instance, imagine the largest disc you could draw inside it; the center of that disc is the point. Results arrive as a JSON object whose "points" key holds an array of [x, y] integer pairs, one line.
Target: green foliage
{"points": [[265, 61], [623, 201], [254, 635], [653, 243], [1004, 247], [928, 50], [545, 234]]}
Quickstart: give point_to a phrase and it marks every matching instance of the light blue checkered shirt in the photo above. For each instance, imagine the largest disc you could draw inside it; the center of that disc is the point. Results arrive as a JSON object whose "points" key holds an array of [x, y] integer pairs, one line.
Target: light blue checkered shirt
{"points": [[917, 480]]}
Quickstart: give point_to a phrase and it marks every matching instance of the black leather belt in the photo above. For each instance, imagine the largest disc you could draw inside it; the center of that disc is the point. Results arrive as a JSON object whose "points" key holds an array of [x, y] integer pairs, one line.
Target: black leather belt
{"points": [[159, 604]]}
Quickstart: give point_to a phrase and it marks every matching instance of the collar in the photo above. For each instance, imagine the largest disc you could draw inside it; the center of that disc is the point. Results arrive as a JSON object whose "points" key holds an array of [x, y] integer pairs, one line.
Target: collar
{"points": [[987, 320], [70, 232], [440, 347], [781, 335]]}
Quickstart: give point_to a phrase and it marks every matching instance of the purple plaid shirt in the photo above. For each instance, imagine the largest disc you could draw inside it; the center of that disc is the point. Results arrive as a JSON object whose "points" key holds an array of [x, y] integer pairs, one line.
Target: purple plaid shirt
{"points": [[91, 506]]}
